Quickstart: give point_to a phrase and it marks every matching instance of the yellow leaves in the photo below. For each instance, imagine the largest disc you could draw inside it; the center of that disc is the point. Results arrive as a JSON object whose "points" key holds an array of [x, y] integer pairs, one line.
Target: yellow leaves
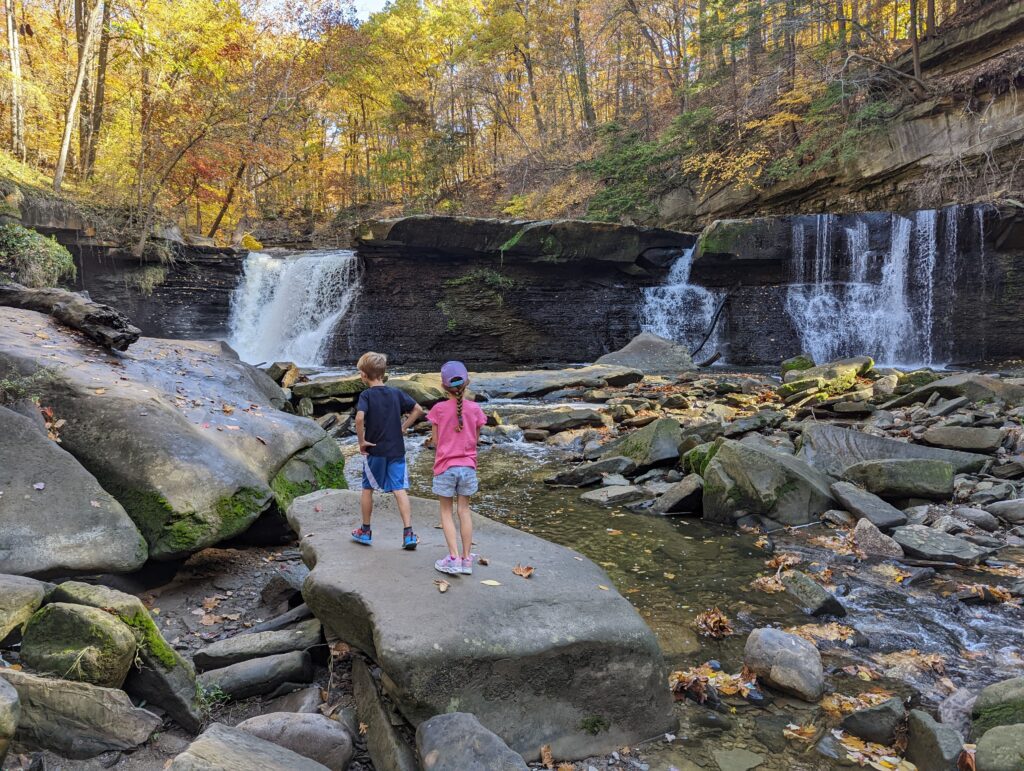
{"points": [[769, 584], [363, 729], [442, 585], [830, 632], [775, 122], [783, 561], [988, 593], [227, 409], [870, 754], [892, 573], [838, 704], [802, 733], [602, 587], [739, 169], [694, 682], [339, 649], [614, 532], [523, 570], [490, 582], [862, 672], [913, 658], [713, 623], [99, 391], [566, 767]]}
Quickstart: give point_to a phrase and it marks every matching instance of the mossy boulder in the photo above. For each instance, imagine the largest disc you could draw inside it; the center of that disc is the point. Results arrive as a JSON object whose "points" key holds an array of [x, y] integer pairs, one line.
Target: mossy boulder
{"points": [[164, 677], [696, 460], [803, 385], [321, 467], [320, 388], [903, 478], [656, 444], [1001, 749], [799, 362], [999, 704], [839, 376], [76, 642]]}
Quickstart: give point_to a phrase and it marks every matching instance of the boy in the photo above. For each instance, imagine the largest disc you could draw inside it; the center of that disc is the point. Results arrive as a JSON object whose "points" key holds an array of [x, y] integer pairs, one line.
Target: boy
{"points": [[380, 430]]}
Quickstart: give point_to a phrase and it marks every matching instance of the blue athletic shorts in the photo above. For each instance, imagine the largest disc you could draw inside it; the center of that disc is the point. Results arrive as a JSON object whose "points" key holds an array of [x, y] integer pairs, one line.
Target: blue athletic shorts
{"points": [[384, 474]]}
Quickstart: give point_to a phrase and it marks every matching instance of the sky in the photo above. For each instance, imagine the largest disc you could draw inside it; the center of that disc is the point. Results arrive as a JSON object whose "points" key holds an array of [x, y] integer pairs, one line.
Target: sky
{"points": [[365, 7]]}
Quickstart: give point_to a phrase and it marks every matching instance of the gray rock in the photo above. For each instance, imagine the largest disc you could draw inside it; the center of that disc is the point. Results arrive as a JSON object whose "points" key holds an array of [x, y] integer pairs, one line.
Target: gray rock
{"points": [[10, 713], [388, 750], [609, 667], [525, 383], [322, 387], [949, 524], [77, 642], [812, 596], [909, 478], [564, 419], [1001, 749], [876, 724], [70, 524], [456, 741], [932, 745], [316, 737], [652, 354], [865, 505], [737, 759], [615, 495], [251, 646], [150, 425], [963, 438], [740, 479], [930, 544], [259, 676], [654, 445], [841, 518], [1001, 703], [871, 540], [164, 677], [1011, 512], [302, 700], [19, 598], [77, 720], [977, 517], [686, 495], [976, 388], [833, 449], [220, 748], [785, 661], [616, 480]]}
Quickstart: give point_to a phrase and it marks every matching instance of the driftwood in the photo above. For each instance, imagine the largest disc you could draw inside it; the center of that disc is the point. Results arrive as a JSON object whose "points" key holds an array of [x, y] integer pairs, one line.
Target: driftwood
{"points": [[101, 323]]}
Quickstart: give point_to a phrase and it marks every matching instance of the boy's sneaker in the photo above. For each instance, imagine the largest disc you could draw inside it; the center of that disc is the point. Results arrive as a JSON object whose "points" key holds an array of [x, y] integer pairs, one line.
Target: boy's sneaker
{"points": [[409, 540], [365, 537], [451, 565], [467, 565]]}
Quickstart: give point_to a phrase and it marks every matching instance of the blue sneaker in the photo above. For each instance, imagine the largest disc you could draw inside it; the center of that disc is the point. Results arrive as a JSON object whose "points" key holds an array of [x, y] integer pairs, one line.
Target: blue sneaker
{"points": [[364, 537], [409, 541]]}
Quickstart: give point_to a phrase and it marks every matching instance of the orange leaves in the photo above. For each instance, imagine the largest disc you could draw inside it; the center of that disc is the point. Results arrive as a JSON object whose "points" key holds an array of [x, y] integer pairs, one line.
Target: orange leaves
{"points": [[769, 584], [546, 757], [913, 658], [870, 754], [696, 682], [783, 561], [523, 570], [837, 704], [830, 632], [801, 733], [713, 623]]}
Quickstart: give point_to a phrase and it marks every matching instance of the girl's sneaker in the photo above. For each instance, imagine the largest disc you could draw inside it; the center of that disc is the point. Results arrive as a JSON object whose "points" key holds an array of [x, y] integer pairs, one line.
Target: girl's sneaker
{"points": [[451, 565], [467, 565], [359, 535]]}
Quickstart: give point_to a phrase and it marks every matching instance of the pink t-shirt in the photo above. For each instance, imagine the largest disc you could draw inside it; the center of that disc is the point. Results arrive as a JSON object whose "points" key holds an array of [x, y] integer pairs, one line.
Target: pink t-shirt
{"points": [[456, 448]]}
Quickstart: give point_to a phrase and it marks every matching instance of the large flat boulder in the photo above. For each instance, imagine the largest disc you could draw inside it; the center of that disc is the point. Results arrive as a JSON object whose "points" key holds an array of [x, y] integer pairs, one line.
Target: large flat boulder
{"points": [[537, 382], [220, 748], [54, 516], [652, 354], [865, 505], [833, 449], [907, 478], [183, 434], [456, 741], [538, 661], [931, 544], [974, 387], [656, 444], [740, 479]]}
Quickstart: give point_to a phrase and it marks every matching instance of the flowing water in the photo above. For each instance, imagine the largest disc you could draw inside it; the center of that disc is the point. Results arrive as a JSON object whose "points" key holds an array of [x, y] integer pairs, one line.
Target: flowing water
{"points": [[288, 307], [678, 310]]}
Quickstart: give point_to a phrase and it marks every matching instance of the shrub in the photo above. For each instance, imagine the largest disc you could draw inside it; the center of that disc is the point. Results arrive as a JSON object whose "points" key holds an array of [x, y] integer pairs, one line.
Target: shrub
{"points": [[31, 258]]}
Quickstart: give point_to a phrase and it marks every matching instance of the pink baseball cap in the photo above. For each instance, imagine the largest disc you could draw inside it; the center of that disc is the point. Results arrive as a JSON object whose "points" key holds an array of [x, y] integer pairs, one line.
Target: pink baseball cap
{"points": [[454, 374]]}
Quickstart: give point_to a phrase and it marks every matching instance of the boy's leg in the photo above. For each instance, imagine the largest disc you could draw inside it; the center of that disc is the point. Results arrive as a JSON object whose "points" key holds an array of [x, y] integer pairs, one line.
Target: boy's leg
{"points": [[465, 526], [404, 507], [366, 504], [448, 526]]}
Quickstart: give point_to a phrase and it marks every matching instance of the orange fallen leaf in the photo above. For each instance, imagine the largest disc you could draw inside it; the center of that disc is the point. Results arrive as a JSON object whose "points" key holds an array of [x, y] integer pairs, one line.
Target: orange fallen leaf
{"points": [[483, 561], [803, 733], [713, 623], [227, 409], [442, 585], [363, 728], [523, 570], [546, 757]]}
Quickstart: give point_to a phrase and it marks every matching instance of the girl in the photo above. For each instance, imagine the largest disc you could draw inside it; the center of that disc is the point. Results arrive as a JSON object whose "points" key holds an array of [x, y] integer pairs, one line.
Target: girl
{"points": [[456, 431]]}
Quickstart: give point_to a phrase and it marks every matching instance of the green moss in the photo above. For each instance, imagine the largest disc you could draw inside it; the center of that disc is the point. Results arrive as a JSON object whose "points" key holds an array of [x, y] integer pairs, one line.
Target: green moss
{"points": [[15, 387], [510, 244], [238, 511], [594, 724], [31, 258], [485, 276], [800, 362], [149, 637], [1010, 713], [330, 476], [149, 511], [696, 460]]}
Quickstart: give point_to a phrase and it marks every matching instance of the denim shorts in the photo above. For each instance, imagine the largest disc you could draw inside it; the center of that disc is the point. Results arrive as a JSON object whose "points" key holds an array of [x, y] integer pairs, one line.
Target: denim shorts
{"points": [[454, 481]]}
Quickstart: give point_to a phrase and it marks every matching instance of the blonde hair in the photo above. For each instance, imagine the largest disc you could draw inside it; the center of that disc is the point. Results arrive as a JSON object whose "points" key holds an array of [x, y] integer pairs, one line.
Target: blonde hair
{"points": [[373, 365]]}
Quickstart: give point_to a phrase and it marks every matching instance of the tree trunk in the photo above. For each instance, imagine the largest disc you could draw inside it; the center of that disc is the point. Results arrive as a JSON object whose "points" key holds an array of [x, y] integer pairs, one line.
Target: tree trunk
{"points": [[703, 35], [855, 24], [534, 100], [915, 43], [17, 103], [84, 65], [841, 27], [666, 71], [100, 94], [755, 46], [589, 116], [932, 32], [227, 200], [92, 28], [790, 38]]}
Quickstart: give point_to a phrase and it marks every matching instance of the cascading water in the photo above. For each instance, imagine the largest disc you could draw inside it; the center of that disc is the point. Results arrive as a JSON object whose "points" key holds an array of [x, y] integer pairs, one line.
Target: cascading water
{"points": [[286, 307], [678, 310]]}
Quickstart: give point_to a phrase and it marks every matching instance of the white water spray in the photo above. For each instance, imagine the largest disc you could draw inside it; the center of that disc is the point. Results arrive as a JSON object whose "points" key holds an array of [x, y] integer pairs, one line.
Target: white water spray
{"points": [[678, 310], [287, 308]]}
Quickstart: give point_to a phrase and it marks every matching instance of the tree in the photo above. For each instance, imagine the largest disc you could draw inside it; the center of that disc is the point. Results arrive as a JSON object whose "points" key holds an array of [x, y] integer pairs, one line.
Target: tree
{"points": [[17, 98], [91, 32]]}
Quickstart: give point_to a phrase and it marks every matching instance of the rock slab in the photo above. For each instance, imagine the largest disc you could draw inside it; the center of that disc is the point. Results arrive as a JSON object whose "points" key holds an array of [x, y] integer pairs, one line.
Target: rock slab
{"points": [[531, 670], [652, 354], [19, 598], [223, 653], [865, 505], [930, 744], [259, 676], [931, 544], [220, 748], [457, 741], [313, 736], [907, 478]]}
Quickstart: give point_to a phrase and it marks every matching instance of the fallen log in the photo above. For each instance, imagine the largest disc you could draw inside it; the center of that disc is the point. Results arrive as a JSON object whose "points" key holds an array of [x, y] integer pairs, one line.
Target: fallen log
{"points": [[101, 323]]}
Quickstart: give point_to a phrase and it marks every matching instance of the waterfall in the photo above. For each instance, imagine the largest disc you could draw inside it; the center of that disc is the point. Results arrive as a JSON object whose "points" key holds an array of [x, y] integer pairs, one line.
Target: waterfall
{"points": [[678, 310], [286, 307]]}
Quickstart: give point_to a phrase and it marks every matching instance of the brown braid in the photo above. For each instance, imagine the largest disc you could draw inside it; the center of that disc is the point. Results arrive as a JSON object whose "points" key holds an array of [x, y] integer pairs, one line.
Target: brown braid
{"points": [[460, 391]]}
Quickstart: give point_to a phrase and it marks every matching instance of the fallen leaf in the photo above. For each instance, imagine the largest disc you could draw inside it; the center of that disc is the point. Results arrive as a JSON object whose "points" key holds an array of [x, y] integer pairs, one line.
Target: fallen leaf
{"points": [[442, 585], [614, 532], [669, 576], [233, 428], [227, 409], [803, 733], [490, 582], [209, 619], [483, 561], [770, 584], [94, 504], [209, 603], [523, 570], [566, 767], [261, 440], [340, 649], [546, 757], [838, 704], [602, 587], [830, 632], [99, 391], [713, 623], [782, 561], [363, 728], [232, 616], [966, 761]]}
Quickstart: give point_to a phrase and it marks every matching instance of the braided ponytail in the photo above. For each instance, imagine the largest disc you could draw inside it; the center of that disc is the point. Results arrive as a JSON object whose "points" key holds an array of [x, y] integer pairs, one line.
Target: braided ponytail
{"points": [[459, 393]]}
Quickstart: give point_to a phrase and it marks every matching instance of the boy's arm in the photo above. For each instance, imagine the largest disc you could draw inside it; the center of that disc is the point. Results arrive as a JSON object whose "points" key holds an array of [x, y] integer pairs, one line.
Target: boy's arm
{"points": [[364, 446], [416, 414]]}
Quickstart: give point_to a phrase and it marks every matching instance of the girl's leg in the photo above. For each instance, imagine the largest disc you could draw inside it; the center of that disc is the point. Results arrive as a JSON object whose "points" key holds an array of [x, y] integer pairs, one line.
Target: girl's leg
{"points": [[448, 526], [465, 526]]}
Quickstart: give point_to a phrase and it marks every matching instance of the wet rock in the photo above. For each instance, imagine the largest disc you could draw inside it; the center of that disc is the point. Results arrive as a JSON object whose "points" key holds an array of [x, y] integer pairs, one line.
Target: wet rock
{"points": [[316, 737], [930, 544], [285, 620], [976, 388], [932, 745], [259, 676], [812, 596], [615, 495], [424, 388], [759, 422], [562, 419], [652, 354], [961, 438], [10, 713], [840, 375], [840, 518], [302, 700], [79, 643], [742, 479], [870, 540], [876, 724], [913, 477], [532, 435], [653, 445], [682, 496], [387, 747], [220, 748], [587, 474], [251, 646], [1001, 749], [526, 383], [977, 517], [54, 516], [949, 524], [1001, 703], [457, 741], [833, 449], [616, 480], [77, 720], [20, 597], [768, 730], [1011, 512], [611, 669], [737, 759], [279, 370], [786, 662], [164, 677], [865, 505]]}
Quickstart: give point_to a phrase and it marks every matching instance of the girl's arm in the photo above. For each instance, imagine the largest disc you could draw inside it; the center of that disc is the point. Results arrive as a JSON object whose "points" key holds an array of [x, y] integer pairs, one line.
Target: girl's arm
{"points": [[432, 442]]}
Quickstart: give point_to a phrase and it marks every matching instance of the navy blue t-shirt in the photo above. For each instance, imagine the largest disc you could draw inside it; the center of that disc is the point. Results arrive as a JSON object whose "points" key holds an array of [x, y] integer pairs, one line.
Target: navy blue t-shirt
{"points": [[383, 407]]}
